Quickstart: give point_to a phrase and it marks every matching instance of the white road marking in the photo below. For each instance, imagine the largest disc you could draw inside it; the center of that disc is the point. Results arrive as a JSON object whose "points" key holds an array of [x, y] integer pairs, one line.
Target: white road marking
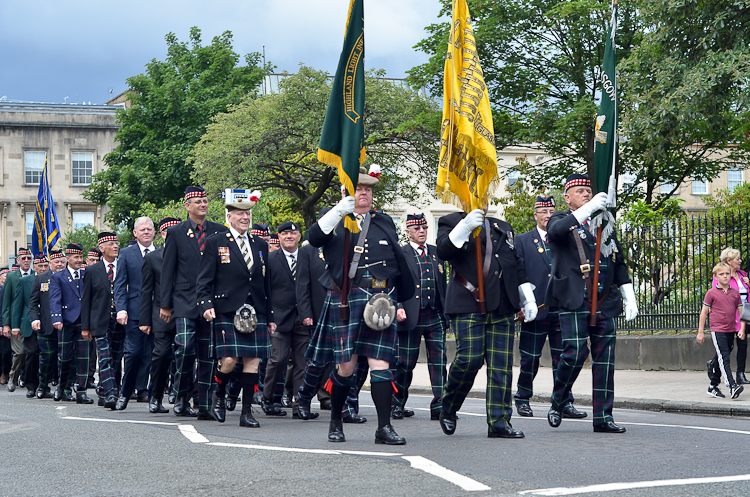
{"points": [[433, 468], [365, 453], [192, 434], [309, 451], [132, 421], [60, 408], [609, 487]]}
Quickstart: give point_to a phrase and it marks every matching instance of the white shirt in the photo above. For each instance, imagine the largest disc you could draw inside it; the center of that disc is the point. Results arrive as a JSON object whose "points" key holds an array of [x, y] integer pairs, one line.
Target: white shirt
{"points": [[150, 248], [542, 233], [416, 246], [289, 256], [237, 237], [114, 265]]}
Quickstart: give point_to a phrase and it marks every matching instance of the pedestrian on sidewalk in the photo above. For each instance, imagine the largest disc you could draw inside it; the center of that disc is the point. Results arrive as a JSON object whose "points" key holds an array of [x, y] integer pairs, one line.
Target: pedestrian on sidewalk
{"points": [[722, 303], [740, 282]]}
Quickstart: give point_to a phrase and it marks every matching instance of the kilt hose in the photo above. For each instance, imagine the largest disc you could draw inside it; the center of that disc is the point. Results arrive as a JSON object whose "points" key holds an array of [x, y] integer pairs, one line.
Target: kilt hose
{"points": [[575, 329], [336, 340], [110, 349], [479, 339], [69, 342], [193, 343], [530, 345], [315, 375], [47, 354], [430, 326], [228, 342]]}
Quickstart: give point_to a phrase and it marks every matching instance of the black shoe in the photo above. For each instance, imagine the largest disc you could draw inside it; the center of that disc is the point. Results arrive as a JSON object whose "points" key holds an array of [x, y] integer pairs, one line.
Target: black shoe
{"points": [[247, 420], [122, 403], [68, 397], [21, 383], [171, 398], [355, 418], [742, 379], [218, 407], [554, 418], [286, 401], [303, 411], [230, 402], [408, 413], [82, 398], [571, 412], [434, 415], [57, 397], [609, 427], [11, 386], [110, 402], [54, 382], [100, 403], [325, 405], [155, 407], [448, 422], [30, 394], [43, 393], [182, 408], [524, 409], [506, 432], [258, 397], [388, 436], [735, 390], [336, 431], [142, 398], [397, 412], [270, 409], [204, 416]]}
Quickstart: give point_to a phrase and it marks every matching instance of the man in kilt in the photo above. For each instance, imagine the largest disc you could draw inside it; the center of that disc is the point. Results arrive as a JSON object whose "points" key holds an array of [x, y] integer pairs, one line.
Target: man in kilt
{"points": [[341, 338], [98, 319], [572, 247], [41, 323], [183, 249], [533, 249], [234, 274], [65, 292], [421, 316], [482, 335]]}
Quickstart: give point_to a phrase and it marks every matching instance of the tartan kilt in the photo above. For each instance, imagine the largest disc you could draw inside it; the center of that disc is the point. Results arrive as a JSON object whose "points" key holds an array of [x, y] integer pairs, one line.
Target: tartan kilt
{"points": [[336, 341], [227, 342]]}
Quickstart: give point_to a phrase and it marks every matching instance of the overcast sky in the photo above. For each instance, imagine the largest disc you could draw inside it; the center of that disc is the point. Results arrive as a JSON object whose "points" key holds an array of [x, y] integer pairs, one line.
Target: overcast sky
{"points": [[50, 50]]}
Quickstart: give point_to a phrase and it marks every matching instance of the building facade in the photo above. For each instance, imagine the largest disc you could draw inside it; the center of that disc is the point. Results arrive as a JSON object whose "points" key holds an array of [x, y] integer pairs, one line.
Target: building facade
{"points": [[73, 139]]}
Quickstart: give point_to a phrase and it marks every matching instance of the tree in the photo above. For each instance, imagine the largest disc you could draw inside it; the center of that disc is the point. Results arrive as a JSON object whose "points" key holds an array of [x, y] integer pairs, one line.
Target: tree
{"points": [[685, 106], [542, 64], [271, 143], [171, 105]]}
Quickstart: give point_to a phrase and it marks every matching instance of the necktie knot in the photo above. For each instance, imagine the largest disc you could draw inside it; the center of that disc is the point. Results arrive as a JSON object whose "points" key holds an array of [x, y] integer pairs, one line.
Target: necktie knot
{"points": [[145, 251]]}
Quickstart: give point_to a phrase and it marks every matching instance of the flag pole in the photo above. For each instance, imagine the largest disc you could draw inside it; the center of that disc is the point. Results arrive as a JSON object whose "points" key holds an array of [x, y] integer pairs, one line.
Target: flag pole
{"points": [[595, 290], [480, 274]]}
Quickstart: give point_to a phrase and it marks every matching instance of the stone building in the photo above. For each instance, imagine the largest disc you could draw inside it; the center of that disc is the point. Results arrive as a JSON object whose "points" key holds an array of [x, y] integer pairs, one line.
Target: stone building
{"points": [[74, 140]]}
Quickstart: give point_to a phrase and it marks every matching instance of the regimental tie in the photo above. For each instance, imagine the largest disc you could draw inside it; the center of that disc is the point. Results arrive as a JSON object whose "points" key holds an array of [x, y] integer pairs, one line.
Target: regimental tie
{"points": [[293, 266], [201, 235], [246, 253], [145, 252], [422, 252], [77, 279], [111, 275]]}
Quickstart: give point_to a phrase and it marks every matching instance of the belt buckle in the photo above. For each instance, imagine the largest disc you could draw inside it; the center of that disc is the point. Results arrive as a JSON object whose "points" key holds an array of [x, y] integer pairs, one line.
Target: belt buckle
{"points": [[359, 249], [585, 268], [376, 283]]}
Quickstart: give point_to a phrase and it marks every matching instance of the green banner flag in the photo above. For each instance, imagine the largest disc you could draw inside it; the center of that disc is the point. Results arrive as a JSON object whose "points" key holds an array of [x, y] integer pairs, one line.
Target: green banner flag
{"points": [[342, 139], [605, 142]]}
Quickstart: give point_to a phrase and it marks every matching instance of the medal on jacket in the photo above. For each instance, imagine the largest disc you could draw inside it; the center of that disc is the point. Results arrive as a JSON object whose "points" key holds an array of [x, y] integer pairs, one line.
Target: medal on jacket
{"points": [[224, 255], [581, 233], [190, 233], [539, 247]]}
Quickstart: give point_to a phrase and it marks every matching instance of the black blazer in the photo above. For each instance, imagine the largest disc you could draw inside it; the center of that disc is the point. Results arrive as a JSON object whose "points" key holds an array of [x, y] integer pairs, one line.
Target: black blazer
{"points": [[284, 291], [536, 265], [381, 249], [39, 304], [224, 282], [505, 266], [411, 306], [151, 293], [311, 295], [180, 268], [97, 300], [566, 288]]}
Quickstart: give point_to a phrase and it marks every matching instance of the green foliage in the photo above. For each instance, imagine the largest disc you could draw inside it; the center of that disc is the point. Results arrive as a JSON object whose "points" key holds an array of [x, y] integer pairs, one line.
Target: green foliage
{"points": [[685, 100], [726, 201], [171, 105], [87, 236], [541, 61], [270, 143], [639, 213]]}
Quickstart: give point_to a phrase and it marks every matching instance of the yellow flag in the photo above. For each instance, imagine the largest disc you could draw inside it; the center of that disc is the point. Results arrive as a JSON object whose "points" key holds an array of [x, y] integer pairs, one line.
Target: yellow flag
{"points": [[467, 173]]}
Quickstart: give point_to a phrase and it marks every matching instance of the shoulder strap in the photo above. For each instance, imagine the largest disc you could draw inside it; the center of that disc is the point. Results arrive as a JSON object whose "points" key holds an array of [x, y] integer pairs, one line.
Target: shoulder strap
{"points": [[360, 247], [487, 248], [585, 265]]}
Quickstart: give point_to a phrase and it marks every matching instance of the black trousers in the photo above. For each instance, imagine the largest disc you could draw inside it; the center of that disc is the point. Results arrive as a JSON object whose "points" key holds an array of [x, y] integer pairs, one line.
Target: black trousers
{"points": [[291, 343], [31, 362], [5, 355], [723, 343], [162, 357]]}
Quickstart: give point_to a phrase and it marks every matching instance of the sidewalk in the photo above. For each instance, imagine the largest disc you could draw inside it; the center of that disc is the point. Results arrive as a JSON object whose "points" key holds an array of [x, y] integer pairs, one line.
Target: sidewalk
{"points": [[669, 391]]}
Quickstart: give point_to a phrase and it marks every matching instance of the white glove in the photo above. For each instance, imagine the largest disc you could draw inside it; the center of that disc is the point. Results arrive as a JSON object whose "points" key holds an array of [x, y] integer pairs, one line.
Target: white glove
{"points": [[331, 218], [528, 301], [598, 203], [628, 298], [460, 233]]}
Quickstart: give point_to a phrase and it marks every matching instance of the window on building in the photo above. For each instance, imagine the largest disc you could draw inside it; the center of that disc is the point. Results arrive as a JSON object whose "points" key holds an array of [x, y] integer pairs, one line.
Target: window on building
{"points": [[513, 178], [699, 187], [734, 178], [81, 219], [29, 228], [628, 179], [82, 169], [33, 166], [666, 188]]}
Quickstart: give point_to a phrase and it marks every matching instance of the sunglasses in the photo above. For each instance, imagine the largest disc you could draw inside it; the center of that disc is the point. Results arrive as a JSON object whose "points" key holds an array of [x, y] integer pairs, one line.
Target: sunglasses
{"points": [[419, 228], [24, 258]]}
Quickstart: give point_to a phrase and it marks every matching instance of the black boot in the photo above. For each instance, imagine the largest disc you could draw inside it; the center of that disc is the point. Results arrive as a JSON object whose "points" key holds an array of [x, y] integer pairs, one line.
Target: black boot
{"points": [[82, 398], [57, 397], [249, 381], [336, 431], [742, 379], [218, 403]]}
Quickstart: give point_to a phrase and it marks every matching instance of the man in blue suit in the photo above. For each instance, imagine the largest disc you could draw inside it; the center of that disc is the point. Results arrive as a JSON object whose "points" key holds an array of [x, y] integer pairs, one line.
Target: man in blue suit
{"points": [[533, 249], [65, 292], [138, 345]]}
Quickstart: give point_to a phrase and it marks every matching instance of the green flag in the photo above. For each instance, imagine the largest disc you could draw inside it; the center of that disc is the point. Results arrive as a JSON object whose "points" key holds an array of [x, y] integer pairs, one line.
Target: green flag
{"points": [[342, 139], [605, 141]]}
